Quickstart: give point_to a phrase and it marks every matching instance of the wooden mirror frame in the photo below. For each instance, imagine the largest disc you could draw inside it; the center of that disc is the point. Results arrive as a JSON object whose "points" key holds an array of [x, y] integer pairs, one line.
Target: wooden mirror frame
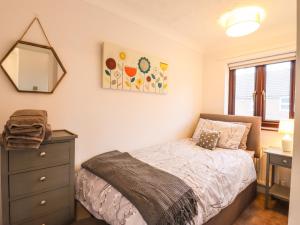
{"points": [[40, 46]]}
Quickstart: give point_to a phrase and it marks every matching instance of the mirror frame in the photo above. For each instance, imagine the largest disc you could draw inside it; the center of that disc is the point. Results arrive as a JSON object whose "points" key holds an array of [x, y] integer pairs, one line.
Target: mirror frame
{"points": [[40, 46]]}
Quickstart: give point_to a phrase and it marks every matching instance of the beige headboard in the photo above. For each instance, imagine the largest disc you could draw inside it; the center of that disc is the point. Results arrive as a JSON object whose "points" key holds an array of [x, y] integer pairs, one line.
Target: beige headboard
{"points": [[253, 142]]}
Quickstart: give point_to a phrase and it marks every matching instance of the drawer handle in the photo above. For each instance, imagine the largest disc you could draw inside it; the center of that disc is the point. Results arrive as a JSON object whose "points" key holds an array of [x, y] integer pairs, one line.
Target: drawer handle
{"points": [[43, 202], [285, 161], [43, 154], [43, 179]]}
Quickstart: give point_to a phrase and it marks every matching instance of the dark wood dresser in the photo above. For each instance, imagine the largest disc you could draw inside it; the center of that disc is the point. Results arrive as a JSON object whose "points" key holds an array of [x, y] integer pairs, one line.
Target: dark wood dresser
{"points": [[37, 186]]}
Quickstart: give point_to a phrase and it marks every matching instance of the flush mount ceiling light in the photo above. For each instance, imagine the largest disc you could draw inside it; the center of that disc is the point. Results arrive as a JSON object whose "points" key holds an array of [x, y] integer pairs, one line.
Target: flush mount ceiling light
{"points": [[242, 21]]}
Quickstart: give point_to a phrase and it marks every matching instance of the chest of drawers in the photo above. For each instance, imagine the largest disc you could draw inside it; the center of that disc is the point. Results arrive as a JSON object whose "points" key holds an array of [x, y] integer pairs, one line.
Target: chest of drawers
{"points": [[37, 186]]}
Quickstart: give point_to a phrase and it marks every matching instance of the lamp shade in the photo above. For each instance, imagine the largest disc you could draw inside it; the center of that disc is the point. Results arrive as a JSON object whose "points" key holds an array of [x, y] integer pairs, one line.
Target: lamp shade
{"points": [[286, 126], [242, 21]]}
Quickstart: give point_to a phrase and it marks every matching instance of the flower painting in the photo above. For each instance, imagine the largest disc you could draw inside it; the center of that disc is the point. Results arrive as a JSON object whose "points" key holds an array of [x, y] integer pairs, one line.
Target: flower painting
{"points": [[124, 69]]}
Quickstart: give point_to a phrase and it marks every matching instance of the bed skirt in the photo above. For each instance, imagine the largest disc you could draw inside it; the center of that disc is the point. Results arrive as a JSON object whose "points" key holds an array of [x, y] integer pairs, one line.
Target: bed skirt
{"points": [[229, 214]]}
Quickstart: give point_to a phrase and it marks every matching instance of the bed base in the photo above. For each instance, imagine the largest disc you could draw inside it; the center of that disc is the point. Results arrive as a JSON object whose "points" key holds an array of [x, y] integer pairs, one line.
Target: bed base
{"points": [[229, 214]]}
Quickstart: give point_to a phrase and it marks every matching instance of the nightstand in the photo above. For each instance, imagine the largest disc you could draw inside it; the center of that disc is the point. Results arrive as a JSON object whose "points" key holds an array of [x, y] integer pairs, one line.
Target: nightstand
{"points": [[276, 157]]}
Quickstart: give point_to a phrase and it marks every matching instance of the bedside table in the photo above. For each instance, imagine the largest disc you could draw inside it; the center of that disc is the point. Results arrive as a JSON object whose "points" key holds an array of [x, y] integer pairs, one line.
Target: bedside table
{"points": [[276, 157]]}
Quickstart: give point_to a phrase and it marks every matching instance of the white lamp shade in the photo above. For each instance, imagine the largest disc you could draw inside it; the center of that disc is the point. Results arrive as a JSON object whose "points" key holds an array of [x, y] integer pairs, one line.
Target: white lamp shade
{"points": [[286, 126], [242, 21]]}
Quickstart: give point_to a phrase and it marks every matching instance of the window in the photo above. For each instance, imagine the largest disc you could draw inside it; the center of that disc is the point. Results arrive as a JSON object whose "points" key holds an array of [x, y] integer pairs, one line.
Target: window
{"points": [[244, 104], [285, 104], [264, 90]]}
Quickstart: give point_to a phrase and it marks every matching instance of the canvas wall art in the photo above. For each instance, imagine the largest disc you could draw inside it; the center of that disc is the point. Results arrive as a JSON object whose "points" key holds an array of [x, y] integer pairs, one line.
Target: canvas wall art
{"points": [[125, 69]]}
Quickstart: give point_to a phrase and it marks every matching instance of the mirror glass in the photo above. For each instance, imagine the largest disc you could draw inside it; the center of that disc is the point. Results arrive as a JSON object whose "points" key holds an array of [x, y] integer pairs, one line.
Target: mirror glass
{"points": [[33, 68]]}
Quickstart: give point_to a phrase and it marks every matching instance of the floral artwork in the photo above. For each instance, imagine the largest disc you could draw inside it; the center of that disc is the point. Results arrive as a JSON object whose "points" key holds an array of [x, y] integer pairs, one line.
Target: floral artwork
{"points": [[125, 69]]}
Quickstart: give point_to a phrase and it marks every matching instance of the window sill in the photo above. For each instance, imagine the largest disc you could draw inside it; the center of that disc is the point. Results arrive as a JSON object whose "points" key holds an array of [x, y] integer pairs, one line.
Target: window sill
{"points": [[269, 129]]}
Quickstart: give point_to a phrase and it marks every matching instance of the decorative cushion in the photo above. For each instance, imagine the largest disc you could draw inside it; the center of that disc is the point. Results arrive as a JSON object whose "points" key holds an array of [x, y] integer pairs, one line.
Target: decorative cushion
{"points": [[243, 144], [230, 133], [209, 139]]}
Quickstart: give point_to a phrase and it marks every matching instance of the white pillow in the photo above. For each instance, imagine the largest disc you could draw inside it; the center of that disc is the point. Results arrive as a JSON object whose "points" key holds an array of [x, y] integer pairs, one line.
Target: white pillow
{"points": [[231, 134]]}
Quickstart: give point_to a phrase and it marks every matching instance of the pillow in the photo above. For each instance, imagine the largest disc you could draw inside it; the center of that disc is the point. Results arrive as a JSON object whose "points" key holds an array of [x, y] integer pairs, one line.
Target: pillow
{"points": [[243, 144], [230, 133], [209, 139]]}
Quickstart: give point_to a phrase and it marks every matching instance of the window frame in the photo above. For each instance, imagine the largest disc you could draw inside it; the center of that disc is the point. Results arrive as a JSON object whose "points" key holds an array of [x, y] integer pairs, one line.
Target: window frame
{"points": [[259, 93]]}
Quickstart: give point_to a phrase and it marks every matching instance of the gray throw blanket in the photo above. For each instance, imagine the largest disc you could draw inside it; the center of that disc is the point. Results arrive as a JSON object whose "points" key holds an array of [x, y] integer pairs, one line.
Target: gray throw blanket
{"points": [[26, 129], [160, 197]]}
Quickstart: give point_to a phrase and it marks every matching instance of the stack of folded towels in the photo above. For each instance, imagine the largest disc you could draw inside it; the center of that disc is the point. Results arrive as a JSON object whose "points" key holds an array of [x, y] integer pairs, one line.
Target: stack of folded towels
{"points": [[26, 129]]}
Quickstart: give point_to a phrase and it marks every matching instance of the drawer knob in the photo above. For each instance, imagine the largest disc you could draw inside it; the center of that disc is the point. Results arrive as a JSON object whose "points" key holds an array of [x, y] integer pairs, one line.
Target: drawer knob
{"points": [[42, 154], [43, 202], [284, 161], [43, 179]]}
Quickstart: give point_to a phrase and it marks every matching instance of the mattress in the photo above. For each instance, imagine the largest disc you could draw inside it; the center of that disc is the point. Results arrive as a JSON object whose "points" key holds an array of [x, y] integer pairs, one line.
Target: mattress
{"points": [[216, 177]]}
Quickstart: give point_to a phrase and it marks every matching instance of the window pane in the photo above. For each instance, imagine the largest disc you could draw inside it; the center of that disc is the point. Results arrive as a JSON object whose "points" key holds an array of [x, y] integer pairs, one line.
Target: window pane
{"points": [[244, 88], [278, 84]]}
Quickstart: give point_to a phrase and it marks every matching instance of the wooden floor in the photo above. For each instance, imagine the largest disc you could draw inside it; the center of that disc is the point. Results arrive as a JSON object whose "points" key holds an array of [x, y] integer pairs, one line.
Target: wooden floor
{"points": [[255, 214]]}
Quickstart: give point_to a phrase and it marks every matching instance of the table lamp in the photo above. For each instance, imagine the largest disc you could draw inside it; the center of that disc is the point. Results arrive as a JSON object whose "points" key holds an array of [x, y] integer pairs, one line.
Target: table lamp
{"points": [[286, 127]]}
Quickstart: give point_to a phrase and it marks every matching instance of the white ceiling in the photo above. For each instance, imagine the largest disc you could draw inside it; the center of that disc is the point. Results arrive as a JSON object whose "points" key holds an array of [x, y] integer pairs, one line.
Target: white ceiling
{"points": [[195, 22]]}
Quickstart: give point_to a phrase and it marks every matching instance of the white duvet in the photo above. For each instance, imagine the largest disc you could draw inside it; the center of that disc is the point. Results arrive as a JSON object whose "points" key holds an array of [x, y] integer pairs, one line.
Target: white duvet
{"points": [[216, 177]]}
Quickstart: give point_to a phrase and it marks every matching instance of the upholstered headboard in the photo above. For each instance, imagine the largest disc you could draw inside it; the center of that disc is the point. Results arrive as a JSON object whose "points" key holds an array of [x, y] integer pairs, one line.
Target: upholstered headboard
{"points": [[253, 142]]}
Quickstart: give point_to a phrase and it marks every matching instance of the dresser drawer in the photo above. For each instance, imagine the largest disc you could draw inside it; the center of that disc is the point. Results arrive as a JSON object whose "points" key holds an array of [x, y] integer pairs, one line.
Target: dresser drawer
{"points": [[281, 160], [47, 155], [39, 205], [61, 217], [38, 180]]}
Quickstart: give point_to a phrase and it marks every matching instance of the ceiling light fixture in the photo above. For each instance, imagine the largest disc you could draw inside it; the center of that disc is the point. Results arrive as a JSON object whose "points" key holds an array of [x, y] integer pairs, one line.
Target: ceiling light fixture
{"points": [[242, 21]]}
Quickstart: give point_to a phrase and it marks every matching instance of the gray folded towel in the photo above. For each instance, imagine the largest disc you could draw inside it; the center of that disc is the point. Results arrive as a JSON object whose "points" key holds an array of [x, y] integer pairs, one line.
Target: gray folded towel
{"points": [[26, 129]]}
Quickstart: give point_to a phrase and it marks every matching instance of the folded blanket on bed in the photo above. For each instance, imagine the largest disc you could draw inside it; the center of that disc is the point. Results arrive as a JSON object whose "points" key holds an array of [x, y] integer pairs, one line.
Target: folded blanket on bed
{"points": [[26, 129], [161, 198]]}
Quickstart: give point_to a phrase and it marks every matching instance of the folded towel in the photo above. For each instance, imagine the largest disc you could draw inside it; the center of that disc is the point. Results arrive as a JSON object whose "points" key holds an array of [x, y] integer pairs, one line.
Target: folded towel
{"points": [[29, 131], [21, 123], [30, 112], [26, 129], [20, 142], [48, 133], [22, 120]]}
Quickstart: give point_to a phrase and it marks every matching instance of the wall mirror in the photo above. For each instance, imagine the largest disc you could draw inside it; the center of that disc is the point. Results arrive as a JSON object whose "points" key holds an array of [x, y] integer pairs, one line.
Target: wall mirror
{"points": [[33, 67]]}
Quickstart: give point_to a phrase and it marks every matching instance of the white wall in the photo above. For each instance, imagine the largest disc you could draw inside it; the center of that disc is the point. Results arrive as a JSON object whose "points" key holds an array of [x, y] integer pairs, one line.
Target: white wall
{"points": [[294, 216], [103, 119]]}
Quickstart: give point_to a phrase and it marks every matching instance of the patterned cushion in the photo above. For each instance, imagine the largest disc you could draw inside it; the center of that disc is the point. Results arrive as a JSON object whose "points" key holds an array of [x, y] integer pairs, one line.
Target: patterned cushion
{"points": [[209, 139], [231, 134], [243, 144]]}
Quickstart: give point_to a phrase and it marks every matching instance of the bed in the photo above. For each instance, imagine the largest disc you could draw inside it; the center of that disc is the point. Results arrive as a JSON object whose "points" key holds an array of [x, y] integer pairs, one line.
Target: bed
{"points": [[224, 180]]}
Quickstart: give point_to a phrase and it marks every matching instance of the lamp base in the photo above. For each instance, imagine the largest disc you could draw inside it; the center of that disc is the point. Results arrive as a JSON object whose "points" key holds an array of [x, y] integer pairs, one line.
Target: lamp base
{"points": [[287, 144]]}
